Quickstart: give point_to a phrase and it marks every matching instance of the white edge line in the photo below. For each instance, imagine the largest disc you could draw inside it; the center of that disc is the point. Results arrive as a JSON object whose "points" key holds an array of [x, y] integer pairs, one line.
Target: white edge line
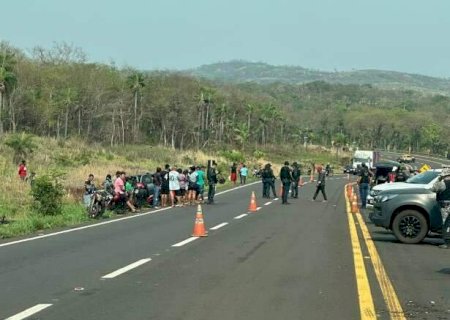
{"points": [[108, 222], [182, 243], [241, 216], [267, 203], [30, 311], [219, 226], [126, 268]]}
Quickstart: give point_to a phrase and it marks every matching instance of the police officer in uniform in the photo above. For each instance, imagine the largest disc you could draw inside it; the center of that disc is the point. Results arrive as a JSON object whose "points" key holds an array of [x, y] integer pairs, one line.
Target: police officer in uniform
{"points": [[295, 179], [442, 189], [286, 180]]}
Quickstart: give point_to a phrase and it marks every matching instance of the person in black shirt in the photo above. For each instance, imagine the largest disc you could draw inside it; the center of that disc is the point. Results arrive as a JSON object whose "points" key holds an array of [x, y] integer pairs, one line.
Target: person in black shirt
{"points": [[320, 184], [233, 173], [157, 182], [268, 177], [165, 185], [442, 189], [363, 181], [286, 180], [295, 179], [211, 176]]}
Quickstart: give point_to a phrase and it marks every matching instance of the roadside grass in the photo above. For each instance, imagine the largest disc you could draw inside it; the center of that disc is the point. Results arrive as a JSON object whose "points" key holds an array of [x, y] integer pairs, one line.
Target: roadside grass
{"points": [[76, 160]]}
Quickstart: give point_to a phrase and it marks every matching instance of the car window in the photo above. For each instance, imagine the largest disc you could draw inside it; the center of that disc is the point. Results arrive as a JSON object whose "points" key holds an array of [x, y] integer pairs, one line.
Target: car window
{"points": [[424, 177]]}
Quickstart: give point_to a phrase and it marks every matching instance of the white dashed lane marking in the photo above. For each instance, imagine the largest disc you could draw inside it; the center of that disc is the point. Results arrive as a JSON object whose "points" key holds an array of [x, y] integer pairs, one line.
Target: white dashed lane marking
{"points": [[125, 269], [267, 203], [219, 226], [29, 312], [241, 216], [182, 243]]}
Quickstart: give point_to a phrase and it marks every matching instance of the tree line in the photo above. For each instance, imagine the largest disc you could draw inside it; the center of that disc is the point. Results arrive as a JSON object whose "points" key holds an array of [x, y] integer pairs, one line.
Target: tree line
{"points": [[55, 92]]}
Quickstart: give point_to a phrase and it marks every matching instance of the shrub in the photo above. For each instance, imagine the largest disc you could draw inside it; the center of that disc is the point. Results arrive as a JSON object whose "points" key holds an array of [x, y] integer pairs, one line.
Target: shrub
{"points": [[47, 192], [258, 154]]}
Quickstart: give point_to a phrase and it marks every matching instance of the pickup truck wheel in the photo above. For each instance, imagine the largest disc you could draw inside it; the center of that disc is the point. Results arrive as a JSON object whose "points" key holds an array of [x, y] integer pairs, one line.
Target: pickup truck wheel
{"points": [[410, 226]]}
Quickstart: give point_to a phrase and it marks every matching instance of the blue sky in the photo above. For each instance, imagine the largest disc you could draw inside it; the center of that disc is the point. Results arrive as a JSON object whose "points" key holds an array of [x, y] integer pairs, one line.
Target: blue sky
{"points": [[402, 35]]}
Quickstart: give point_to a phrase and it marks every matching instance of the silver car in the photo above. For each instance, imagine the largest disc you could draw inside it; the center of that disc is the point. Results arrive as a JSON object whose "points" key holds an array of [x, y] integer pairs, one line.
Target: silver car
{"points": [[408, 208]]}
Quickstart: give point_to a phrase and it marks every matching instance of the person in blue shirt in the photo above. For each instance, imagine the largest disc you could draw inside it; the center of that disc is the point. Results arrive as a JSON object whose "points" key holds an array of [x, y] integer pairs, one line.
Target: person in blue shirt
{"points": [[244, 174]]}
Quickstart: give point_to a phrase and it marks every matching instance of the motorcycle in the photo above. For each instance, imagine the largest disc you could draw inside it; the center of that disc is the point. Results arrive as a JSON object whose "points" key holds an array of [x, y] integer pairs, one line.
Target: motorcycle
{"points": [[257, 173], [98, 203], [329, 172]]}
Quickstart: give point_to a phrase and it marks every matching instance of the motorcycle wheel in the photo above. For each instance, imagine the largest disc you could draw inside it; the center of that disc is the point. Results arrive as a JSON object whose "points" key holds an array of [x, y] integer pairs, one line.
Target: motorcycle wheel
{"points": [[94, 210]]}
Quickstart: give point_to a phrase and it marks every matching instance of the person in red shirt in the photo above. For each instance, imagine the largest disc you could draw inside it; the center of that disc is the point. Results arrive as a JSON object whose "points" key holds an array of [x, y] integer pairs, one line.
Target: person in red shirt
{"points": [[22, 170]]}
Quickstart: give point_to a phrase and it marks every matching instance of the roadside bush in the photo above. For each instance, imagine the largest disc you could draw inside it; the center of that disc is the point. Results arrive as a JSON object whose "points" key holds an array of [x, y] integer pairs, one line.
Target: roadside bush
{"points": [[258, 154], [47, 192]]}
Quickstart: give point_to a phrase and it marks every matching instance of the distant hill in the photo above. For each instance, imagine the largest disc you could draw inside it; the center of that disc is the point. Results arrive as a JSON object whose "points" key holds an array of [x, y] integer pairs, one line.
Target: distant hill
{"points": [[243, 71]]}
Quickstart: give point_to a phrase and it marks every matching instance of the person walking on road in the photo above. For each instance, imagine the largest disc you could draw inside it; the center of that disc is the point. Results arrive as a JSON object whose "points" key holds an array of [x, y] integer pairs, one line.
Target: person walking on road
{"points": [[266, 177], [295, 179], [320, 184], [442, 189], [286, 180], [363, 182], [211, 176]]}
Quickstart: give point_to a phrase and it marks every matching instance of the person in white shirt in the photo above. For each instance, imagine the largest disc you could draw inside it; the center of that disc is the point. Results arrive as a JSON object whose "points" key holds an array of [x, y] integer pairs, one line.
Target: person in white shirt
{"points": [[174, 187]]}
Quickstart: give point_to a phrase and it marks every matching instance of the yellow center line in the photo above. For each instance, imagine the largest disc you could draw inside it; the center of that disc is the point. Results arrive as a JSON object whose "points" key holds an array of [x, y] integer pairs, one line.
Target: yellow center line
{"points": [[366, 306], [389, 295]]}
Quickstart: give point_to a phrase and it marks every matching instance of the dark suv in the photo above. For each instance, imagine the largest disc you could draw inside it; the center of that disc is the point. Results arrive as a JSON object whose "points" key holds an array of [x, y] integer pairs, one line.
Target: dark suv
{"points": [[408, 208]]}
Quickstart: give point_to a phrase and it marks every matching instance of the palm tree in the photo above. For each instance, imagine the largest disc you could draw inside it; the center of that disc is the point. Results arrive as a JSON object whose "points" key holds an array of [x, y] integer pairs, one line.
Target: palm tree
{"points": [[241, 135], [7, 79], [136, 82]]}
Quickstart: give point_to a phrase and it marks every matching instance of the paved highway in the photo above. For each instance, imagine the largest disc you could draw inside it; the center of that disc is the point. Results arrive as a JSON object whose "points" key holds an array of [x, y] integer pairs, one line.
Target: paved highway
{"points": [[308, 260]]}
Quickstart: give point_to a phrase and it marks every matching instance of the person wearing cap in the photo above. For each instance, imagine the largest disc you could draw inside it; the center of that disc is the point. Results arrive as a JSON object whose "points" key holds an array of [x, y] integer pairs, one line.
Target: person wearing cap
{"points": [[442, 189], [320, 184], [295, 179], [286, 180]]}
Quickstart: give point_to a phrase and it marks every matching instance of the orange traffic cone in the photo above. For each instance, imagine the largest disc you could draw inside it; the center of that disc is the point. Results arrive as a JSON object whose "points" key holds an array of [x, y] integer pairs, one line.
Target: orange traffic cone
{"points": [[354, 204], [350, 191], [300, 182], [199, 225], [252, 207]]}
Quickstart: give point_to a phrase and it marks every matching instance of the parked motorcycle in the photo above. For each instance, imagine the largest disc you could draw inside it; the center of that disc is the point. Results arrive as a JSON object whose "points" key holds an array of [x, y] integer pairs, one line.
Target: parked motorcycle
{"points": [[98, 203]]}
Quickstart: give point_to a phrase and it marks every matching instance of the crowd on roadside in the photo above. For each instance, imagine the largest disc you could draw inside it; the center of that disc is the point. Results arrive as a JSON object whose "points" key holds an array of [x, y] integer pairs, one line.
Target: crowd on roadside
{"points": [[172, 186]]}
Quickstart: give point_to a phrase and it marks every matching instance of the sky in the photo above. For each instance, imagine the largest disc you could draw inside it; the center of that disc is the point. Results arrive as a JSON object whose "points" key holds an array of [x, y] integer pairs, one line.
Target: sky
{"points": [[401, 35]]}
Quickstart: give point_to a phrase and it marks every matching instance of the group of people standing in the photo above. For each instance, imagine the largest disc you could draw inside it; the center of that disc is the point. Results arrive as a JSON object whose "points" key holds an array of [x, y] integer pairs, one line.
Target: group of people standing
{"points": [[172, 186], [240, 170], [290, 180]]}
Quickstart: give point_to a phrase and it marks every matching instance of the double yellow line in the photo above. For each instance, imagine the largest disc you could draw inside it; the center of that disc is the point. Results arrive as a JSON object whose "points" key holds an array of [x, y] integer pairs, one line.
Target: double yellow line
{"points": [[366, 305]]}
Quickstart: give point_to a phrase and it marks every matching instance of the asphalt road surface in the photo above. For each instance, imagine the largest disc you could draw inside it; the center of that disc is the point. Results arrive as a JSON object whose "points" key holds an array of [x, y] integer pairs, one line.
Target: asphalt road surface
{"points": [[307, 260]]}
